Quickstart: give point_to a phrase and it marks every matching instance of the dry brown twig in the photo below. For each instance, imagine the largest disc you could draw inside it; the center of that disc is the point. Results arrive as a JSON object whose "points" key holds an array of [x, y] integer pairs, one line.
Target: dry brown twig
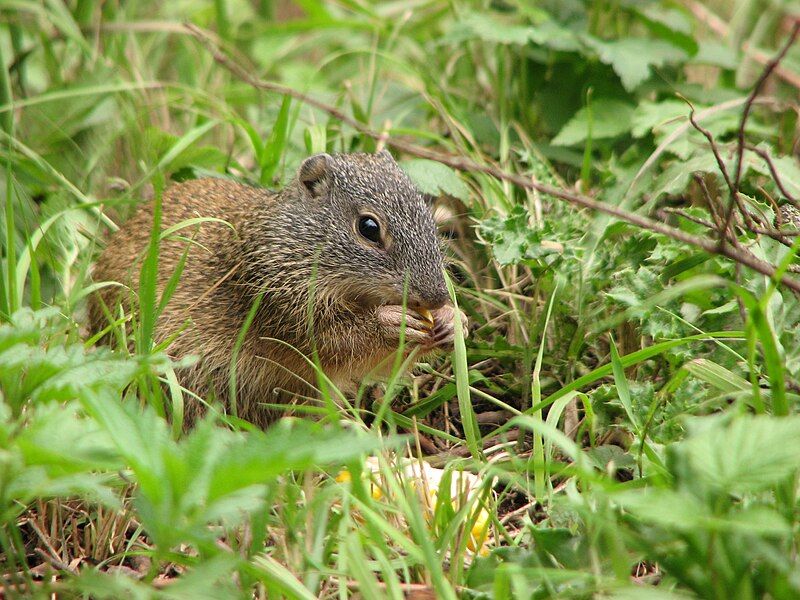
{"points": [[748, 106], [461, 163], [718, 26], [754, 223], [773, 171]]}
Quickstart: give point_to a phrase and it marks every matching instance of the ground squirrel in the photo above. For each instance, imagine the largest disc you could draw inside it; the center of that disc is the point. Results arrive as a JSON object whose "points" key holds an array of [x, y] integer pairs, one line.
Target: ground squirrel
{"points": [[342, 242]]}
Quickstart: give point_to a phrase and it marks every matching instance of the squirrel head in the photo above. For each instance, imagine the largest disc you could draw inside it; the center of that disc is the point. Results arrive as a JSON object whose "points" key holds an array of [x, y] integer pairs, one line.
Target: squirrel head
{"points": [[380, 242]]}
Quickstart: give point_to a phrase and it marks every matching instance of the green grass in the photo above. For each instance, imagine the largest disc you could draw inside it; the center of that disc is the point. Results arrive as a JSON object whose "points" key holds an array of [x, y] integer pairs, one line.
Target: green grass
{"points": [[629, 403]]}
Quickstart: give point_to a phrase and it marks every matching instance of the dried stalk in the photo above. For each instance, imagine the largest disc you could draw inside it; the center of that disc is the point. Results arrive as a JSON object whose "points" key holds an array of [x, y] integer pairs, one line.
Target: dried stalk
{"points": [[461, 163]]}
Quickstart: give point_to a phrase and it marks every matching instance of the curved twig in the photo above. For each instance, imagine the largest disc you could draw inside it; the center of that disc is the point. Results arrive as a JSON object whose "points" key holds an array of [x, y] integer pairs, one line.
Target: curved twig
{"points": [[461, 163]]}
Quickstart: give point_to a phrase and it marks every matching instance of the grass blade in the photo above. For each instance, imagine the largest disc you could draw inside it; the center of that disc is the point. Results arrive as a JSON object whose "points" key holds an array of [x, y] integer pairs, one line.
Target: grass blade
{"points": [[461, 372]]}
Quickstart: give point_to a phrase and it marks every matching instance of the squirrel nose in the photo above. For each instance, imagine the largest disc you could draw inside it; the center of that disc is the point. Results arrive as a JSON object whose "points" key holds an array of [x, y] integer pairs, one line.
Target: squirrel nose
{"points": [[431, 299]]}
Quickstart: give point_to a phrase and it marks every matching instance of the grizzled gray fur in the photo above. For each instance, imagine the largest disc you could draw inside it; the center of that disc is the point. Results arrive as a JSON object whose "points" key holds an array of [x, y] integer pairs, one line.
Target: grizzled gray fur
{"points": [[333, 255]]}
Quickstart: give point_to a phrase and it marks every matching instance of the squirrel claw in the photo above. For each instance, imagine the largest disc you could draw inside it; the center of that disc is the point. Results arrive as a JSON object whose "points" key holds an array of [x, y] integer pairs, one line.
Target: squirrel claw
{"points": [[394, 318], [418, 327], [443, 333]]}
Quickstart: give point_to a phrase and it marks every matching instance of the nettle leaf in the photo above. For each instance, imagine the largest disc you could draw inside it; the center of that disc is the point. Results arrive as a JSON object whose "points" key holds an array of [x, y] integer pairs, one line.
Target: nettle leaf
{"points": [[632, 58], [214, 473], [677, 175], [60, 438], [716, 54], [605, 117], [488, 29], [666, 508], [670, 24], [662, 119], [434, 178], [654, 117], [59, 373], [58, 452], [748, 454], [509, 235], [291, 445], [513, 240], [681, 511]]}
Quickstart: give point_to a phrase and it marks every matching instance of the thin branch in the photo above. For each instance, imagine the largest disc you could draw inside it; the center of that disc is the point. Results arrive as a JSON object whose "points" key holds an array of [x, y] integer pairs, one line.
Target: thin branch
{"points": [[711, 142], [682, 213], [724, 229], [768, 69], [464, 164], [740, 145], [773, 171], [776, 232], [718, 26]]}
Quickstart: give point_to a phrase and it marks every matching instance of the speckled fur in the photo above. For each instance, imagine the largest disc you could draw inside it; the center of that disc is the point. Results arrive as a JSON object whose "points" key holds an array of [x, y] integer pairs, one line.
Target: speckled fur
{"points": [[300, 248]]}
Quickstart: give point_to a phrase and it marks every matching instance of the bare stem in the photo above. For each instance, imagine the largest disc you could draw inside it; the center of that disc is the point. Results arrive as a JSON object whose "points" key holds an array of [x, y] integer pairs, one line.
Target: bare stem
{"points": [[461, 163]]}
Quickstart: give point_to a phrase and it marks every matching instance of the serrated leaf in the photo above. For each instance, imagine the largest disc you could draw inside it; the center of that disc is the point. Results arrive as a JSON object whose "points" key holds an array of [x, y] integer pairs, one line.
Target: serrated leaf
{"points": [[750, 454], [434, 178], [670, 24], [509, 235], [59, 438], [717, 54], [489, 29], [632, 58], [681, 511], [609, 119], [653, 117], [677, 175]]}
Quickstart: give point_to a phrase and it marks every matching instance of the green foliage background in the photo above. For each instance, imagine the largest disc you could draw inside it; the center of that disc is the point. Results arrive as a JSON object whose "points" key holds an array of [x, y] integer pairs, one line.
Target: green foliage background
{"points": [[653, 386]]}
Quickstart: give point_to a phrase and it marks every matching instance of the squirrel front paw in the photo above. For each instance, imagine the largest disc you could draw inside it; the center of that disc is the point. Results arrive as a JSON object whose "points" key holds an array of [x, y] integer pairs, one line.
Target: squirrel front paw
{"points": [[444, 329], [438, 331]]}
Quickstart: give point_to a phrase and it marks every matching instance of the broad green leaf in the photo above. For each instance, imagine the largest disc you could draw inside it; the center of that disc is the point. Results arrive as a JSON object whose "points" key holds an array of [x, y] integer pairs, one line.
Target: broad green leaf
{"points": [[716, 53], [291, 446], [684, 512], [610, 119], [632, 58], [435, 178], [670, 24], [677, 175], [749, 454], [658, 117], [489, 29], [59, 438]]}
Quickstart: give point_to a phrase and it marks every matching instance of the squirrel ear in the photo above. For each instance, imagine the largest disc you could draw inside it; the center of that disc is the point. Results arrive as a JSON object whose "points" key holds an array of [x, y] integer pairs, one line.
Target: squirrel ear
{"points": [[385, 154], [313, 173]]}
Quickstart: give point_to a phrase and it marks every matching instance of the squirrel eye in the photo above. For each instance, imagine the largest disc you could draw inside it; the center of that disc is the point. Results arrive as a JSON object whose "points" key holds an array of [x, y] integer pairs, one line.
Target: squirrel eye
{"points": [[369, 229]]}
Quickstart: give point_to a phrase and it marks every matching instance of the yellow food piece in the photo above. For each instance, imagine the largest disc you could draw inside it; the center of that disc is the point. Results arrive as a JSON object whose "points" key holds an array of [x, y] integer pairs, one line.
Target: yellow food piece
{"points": [[344, 476], [426, 481], [480, 529], [426, 316]]}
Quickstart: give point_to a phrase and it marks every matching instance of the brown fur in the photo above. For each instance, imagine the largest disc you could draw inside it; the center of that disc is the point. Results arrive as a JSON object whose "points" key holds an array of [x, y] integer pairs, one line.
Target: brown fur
{"points": [[226, 267]]}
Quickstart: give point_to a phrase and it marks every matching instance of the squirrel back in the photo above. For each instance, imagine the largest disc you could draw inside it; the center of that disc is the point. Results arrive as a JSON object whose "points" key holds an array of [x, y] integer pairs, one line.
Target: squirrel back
{"points": [[331, 258]]}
